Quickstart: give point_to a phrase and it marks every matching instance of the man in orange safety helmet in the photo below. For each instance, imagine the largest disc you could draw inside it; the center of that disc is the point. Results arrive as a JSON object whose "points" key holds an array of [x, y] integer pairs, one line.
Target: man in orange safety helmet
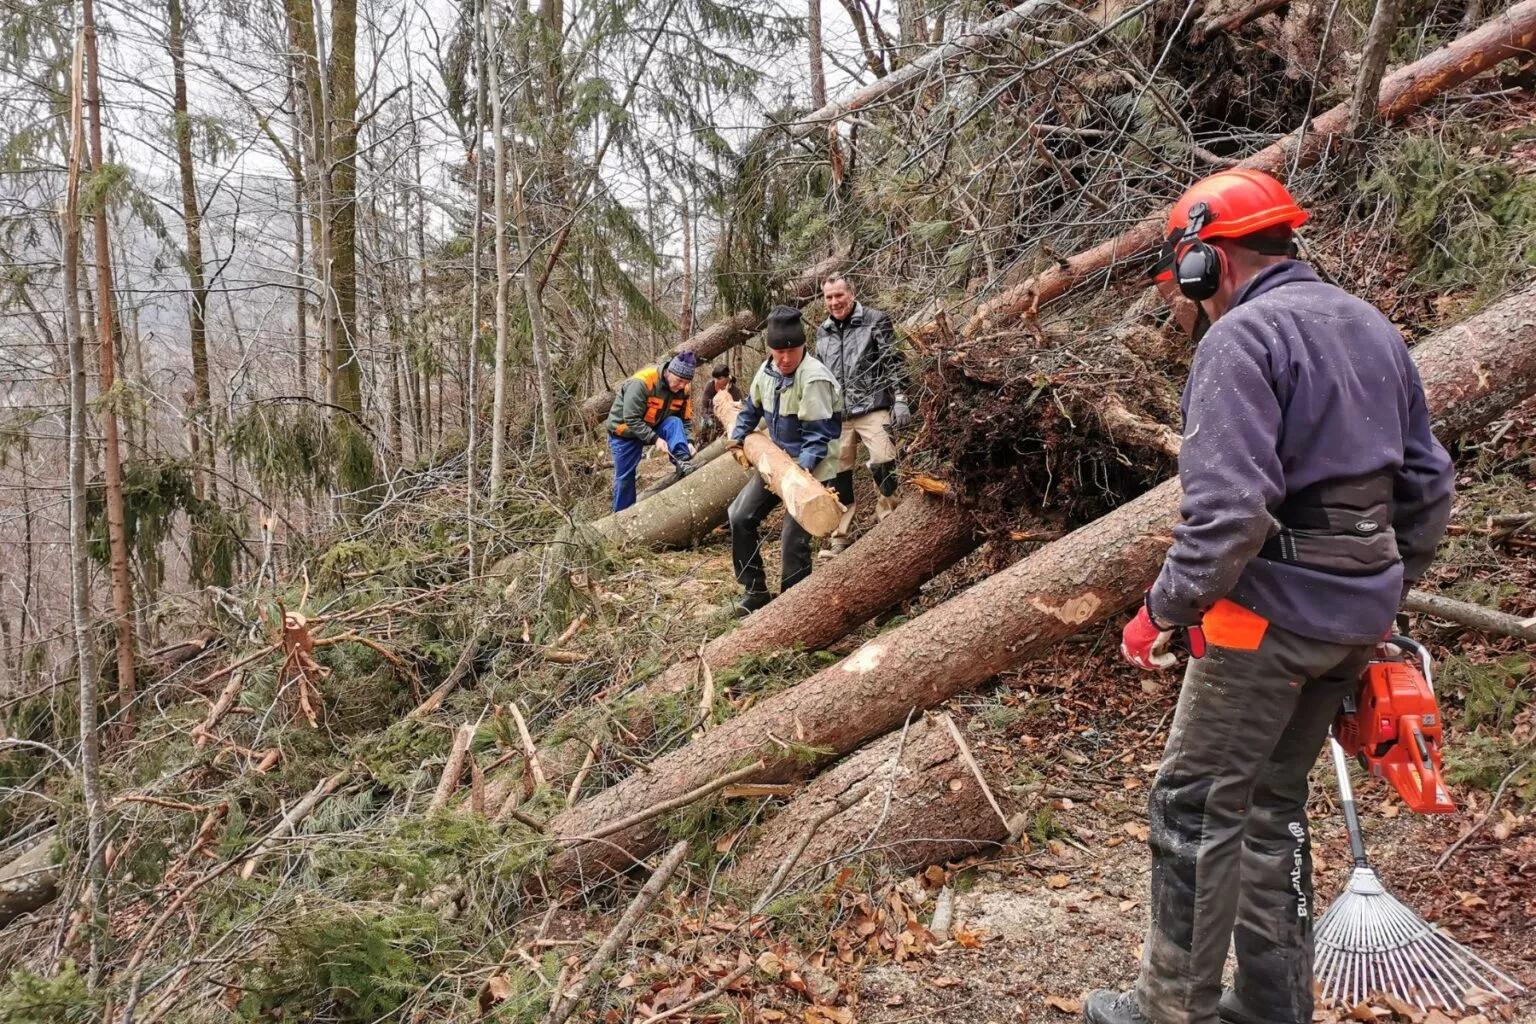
{"points": [[1314, 496]]}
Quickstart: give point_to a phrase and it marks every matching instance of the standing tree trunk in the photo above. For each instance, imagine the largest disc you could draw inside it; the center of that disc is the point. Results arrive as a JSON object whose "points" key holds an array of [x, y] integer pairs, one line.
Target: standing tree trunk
{"points": [[685, 311], [544, 374], [503, 271], [79, 559], [192, 216], [341, 97], [818, 67], [1373, 65], [117, 540]]}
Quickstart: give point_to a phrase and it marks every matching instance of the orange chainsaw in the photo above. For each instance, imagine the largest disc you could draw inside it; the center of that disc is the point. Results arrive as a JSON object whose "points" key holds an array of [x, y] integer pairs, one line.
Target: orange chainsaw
{"points": [[1394, 727]]}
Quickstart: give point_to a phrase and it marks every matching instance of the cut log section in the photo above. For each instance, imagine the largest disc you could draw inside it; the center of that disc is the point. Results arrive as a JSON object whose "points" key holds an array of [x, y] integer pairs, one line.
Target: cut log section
{"points": [[805, 498], [1510, 35], [924, 807], [1081, 579]]}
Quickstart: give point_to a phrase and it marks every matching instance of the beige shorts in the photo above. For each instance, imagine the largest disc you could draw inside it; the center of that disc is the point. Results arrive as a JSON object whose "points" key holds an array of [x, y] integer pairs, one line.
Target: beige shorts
{"points": [[874, 429]]}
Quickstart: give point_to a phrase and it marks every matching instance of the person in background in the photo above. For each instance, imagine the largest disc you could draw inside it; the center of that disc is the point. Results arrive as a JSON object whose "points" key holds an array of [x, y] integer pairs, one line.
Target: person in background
{"points": [[858, 345], [651, 408], [720, 379], [798, 400]]}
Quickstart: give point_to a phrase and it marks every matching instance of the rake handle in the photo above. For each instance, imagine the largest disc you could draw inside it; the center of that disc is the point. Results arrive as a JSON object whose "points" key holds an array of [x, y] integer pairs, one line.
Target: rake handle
{"points": [[1347, 798]]}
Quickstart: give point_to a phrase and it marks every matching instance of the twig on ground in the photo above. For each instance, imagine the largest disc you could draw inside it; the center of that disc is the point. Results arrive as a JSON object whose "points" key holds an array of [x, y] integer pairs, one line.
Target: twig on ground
{"points": [[703, 997], [534, 767], [970, 762], [655, 810], [1492, 806], [565, 1002], [449, 783], [461, 668]]}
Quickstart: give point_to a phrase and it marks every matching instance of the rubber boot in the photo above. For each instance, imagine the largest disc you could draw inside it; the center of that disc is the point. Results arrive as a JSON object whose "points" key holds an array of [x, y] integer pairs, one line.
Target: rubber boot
{"points": [[886, 481]]}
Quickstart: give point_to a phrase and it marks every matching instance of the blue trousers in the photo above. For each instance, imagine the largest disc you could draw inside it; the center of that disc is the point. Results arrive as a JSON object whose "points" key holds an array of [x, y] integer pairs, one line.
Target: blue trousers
{"points": [[626, 457]]}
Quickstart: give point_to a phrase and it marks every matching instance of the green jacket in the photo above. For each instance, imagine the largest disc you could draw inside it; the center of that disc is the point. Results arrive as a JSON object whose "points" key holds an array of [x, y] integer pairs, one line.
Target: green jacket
{"points": [[642, 402], [803, 414]]}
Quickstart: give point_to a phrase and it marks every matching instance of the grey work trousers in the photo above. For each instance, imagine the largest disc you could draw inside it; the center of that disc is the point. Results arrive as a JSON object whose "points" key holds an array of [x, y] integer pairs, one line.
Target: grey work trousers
{"points": [[1231, 856]]}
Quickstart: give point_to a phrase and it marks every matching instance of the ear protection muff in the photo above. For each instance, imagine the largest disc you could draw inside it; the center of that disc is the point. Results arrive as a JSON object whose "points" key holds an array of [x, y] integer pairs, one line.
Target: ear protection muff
{"points": [[1197, 265]]}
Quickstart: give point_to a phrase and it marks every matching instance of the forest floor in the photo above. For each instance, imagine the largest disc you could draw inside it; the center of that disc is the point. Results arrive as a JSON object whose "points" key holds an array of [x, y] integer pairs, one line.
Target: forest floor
{"points": [[1072, 740]]}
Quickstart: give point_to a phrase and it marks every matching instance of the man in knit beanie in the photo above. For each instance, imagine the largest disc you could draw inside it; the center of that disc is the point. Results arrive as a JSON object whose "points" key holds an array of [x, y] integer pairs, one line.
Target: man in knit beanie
{"points": [[651, 408], [797, 399]]}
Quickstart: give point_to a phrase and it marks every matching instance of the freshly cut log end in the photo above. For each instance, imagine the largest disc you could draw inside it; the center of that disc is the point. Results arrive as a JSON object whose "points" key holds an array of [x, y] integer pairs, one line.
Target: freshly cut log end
{"points": [[805, 498], [923, 808]]}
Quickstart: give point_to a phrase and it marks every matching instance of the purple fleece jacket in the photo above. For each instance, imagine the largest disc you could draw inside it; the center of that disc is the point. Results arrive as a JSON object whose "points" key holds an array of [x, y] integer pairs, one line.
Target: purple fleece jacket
{"points": [[1297, 383]]}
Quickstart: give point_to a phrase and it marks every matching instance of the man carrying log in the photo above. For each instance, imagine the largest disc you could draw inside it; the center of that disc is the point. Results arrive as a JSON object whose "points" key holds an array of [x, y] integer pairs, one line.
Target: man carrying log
{"points": [[798, 399], [1314, 496], [650, 408], [858, 344]]}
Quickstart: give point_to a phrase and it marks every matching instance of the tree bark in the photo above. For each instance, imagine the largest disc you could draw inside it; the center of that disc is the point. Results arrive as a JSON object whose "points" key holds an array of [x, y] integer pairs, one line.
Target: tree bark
{"points": [[685, 303], [503, 269], [818, 66], [1508, 36], [924, 807], [1373, 64], [736, 329], [117, 539], [1081, 579], [341, 100], [681, 515], [192, 216], [922, 538], [30, 880], [79, 558]]}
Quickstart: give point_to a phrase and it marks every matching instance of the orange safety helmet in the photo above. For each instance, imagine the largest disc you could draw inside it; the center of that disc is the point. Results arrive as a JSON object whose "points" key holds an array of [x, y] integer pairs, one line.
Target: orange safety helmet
{"points": [[1238, 202]]}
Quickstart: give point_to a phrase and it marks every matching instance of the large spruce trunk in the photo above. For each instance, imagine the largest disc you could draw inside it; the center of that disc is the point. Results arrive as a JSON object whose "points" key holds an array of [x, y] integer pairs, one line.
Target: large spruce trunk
{"points": [[1067, 585]]}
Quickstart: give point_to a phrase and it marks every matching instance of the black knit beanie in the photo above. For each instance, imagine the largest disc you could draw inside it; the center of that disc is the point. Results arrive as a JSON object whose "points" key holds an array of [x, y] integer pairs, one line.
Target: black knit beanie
{"points": [[784, 328]]}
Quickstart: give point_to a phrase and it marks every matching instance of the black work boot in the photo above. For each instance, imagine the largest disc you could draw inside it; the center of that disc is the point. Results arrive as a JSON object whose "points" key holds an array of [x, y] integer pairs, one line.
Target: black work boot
{"points": [[751, 601], [1230, 1010], [1105, 1006], [683, 467]]}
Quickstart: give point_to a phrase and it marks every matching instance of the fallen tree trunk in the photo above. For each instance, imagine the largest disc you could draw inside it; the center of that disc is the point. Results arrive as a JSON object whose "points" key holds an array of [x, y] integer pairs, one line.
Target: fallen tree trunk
{"points": [[1487, 620], [30, 880], [1509, 35], [709, 453], [924, 807], [680, 515], [805, 498], [912, 75], [922, 538], [1067, 585], [723, 335]]}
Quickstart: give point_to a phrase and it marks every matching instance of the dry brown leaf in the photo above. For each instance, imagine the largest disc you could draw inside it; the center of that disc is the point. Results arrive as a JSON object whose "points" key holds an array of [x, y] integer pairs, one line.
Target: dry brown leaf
{"points": [[967, 939], [1366, 1013], [1058, 881], [497, 989], [1114, 841], [1407, 1011], [771, 1015], [1471, 899], [628, 981], [828, 1015], [1436, 1017], [1136, 830], [1127, 905], [1065, 1004], [1481, 997]]}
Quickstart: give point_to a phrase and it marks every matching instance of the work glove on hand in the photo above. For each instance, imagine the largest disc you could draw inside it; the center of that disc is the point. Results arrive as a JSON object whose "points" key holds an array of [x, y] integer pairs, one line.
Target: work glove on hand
{"points": [[1145, 643], [901, 414]]}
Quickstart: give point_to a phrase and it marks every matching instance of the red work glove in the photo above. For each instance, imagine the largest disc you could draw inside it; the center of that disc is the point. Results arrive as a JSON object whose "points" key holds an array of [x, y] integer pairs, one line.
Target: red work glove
{"points": [[1145, 644]]}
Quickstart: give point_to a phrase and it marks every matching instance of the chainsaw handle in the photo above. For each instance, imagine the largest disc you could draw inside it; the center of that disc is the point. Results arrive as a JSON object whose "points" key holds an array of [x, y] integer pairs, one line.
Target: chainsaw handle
{"points": [[1410, 644]]}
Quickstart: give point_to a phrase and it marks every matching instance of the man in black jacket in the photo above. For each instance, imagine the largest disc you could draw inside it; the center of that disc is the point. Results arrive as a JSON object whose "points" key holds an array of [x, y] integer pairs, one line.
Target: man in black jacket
{"points": [[858, 345]]}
